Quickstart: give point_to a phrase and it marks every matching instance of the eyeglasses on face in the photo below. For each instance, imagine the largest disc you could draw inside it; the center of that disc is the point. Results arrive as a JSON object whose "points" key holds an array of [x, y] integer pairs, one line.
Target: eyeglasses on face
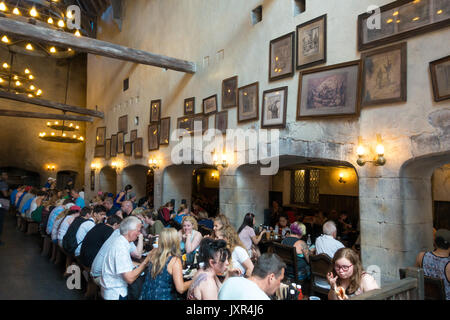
{"points": [[344, 268]]}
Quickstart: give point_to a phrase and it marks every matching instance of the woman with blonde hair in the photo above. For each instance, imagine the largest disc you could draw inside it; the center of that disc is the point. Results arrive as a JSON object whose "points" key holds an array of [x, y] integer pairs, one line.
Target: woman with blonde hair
{"points": [[220, 221], [347, 278], [165, 270], [240, 259], [189, 237]]}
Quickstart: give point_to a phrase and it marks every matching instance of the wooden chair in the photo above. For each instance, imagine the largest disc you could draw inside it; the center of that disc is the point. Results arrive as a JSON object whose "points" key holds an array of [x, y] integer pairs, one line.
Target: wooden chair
{"points": [[320, 266], [289, 255], [32, 226], [434, 288]]}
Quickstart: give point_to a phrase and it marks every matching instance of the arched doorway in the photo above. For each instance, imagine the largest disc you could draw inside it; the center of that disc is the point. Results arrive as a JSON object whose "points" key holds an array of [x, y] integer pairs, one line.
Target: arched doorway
{"points": [[142, 179], [205, 189], [63, 177], [440, 183], [108, 180], [188, 182], [17, 176]]}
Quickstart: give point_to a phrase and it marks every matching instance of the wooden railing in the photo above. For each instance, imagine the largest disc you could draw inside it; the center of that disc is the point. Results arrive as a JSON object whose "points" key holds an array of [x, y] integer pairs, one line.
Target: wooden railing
{"points": [[411, 287]]}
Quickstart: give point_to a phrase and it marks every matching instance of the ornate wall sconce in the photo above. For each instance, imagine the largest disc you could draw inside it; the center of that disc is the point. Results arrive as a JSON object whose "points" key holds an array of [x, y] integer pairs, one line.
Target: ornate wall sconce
{"points": [[153, 163], [51, 167], [378, 159], [214, 176], [222, 164], [116, 165], [95, 166], [341, 178]]}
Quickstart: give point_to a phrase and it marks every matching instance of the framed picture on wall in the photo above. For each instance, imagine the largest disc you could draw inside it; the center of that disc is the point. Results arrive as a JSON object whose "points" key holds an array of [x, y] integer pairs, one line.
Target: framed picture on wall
{"points": [[99, 152], [100, 136], [230, 92], [312, 42], [384, 75], [248, 103], [108, 149], [189, 106], [113, 145], [402, 19], [92, 180], [210, 105], [200, 121], [123, 124], [138, 148], [281, 57], [155, 111], [274, 108], [153, 137], [120, 142], [128, 148], [164, 131], [332, 91], [185, 123], [440, 78], [221, 121], [133, 135]]}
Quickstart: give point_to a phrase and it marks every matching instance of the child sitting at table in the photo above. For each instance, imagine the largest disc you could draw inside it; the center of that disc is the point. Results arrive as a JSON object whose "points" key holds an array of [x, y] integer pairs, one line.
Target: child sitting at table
{"points": [[282, 227]]}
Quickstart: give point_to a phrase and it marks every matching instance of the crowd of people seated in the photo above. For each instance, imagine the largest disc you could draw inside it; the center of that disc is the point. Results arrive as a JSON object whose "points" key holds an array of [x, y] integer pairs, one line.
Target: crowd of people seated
{"points": [[108, 236]]}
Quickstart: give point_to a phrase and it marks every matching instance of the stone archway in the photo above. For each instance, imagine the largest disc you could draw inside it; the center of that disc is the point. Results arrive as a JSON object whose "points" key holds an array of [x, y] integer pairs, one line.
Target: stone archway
{"points": [[108, 180], [141, 178]]}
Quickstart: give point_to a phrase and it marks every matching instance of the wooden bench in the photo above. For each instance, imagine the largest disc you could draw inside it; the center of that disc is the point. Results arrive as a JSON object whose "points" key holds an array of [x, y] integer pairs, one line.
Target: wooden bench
{"points": [[289, 255], [434, 288], [32, 226]]}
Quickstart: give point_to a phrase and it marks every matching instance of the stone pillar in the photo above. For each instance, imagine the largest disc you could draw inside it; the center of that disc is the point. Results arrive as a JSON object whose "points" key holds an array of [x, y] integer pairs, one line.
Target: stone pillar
{"points": [[244, 190], [177, 184], [396, 222], [158, 185]]}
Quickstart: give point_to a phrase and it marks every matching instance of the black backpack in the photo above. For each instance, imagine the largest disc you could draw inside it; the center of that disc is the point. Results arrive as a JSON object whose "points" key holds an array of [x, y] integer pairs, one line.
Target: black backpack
{"points": [[69, 242]]}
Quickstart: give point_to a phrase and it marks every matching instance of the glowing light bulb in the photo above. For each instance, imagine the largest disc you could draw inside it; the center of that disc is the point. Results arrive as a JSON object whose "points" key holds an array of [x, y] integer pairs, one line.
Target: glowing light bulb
{"points": [[77, 127], [5, 39], [48, 123], [380, 149], [63, 134], [69, 14], [53, 133], [56, 122], [71, 125], [33, 12], [53, 50], [69, 49], [61, 24], [30, 95], [5, 65], [1, 80], [18, 83], [3, 6], [341, 175], [29, 47], [215, 158], [39, 92], [360, 151], [74, 136], [27, 71], [81, 138], [15, 78], [439, 12], [31, 77], [32, 87], [16, 11], [50, 20], [77, 33]]}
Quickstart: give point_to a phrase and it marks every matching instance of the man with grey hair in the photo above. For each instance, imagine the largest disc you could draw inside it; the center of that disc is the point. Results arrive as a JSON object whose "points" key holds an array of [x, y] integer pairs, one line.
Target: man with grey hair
{"points": [[327, 242], [118, 270]]}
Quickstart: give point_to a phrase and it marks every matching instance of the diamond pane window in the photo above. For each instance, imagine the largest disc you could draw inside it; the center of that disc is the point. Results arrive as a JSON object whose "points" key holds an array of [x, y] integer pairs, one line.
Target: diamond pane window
{"points": [[299, 186], [313, 186]]}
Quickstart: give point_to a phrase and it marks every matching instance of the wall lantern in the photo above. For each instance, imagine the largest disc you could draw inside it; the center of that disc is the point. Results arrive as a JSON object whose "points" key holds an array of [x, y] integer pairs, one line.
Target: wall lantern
{"points": [[153, 163], [341, 178], [224, 162], [51, 167], [116, 165], [377, 160], [95, 166]]}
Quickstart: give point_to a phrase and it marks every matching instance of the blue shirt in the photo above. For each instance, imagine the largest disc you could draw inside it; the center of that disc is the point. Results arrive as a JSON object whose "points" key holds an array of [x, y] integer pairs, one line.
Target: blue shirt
{"points": [[27, 205], [80, 202], [52, 218], [13, 195], [20, 199]]}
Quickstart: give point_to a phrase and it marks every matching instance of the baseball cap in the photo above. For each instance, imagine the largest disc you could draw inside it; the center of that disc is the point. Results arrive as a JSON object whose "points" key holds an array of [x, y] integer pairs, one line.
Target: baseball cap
{"points": [[75, 208]]}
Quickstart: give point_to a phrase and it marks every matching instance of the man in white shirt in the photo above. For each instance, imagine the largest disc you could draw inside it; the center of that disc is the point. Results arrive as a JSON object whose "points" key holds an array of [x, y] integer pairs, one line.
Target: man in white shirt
{"points": [[118, 270], [98, 215], [264, 282], [327, 242]]}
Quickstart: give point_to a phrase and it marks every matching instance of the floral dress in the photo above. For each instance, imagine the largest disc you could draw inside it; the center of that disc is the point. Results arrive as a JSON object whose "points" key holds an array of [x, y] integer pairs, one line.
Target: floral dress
{"points": [[160, 288]]}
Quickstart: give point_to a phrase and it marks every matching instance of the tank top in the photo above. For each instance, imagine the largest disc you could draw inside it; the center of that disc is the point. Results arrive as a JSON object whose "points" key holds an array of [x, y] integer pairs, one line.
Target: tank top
{"points": [[160, 288], [434, 266]]}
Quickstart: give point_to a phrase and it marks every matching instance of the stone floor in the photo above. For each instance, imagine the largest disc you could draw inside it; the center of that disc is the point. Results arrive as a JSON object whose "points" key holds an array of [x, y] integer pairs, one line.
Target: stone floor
{"points": [[24, 273]]}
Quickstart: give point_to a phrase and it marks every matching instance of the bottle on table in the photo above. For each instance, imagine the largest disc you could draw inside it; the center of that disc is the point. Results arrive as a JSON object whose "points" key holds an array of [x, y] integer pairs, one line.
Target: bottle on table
{"points": [[300, 293], [309, 242]]}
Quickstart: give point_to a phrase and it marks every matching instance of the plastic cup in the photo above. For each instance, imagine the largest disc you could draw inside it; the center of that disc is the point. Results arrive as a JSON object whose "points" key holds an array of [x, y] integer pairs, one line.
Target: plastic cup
{"points": [[314, 298]]}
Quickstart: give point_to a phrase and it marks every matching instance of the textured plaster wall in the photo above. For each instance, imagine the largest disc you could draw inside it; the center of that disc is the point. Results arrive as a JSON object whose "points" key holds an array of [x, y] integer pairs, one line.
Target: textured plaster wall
{"points": [[441, 184], [19, 141], [196, 29]]}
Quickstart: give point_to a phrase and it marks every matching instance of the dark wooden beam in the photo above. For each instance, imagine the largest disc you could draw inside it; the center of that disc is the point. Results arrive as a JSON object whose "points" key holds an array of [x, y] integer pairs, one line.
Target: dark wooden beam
{"points": [[38, 115], [50, 104], [64, 39]]}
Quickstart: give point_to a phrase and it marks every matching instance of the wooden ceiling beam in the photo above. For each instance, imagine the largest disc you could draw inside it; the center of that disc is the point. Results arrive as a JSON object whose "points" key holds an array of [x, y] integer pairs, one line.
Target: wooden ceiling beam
{"points": [[83, 44], [38, 115], [50, 104]]}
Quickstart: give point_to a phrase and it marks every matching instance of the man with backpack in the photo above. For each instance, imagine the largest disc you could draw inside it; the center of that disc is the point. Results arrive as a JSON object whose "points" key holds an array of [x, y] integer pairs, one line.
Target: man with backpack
{"points": [[98, 216], [69, 242]]}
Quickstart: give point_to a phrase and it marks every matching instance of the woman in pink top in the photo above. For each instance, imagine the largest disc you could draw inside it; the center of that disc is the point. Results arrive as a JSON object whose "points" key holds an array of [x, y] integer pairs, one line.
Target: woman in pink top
{"points": [[247, 233]]}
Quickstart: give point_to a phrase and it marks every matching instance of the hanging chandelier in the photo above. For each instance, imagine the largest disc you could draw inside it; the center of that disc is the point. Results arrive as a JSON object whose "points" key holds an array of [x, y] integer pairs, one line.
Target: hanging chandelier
{"points": [[44, 13], [66, 135], [18, 82]]}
